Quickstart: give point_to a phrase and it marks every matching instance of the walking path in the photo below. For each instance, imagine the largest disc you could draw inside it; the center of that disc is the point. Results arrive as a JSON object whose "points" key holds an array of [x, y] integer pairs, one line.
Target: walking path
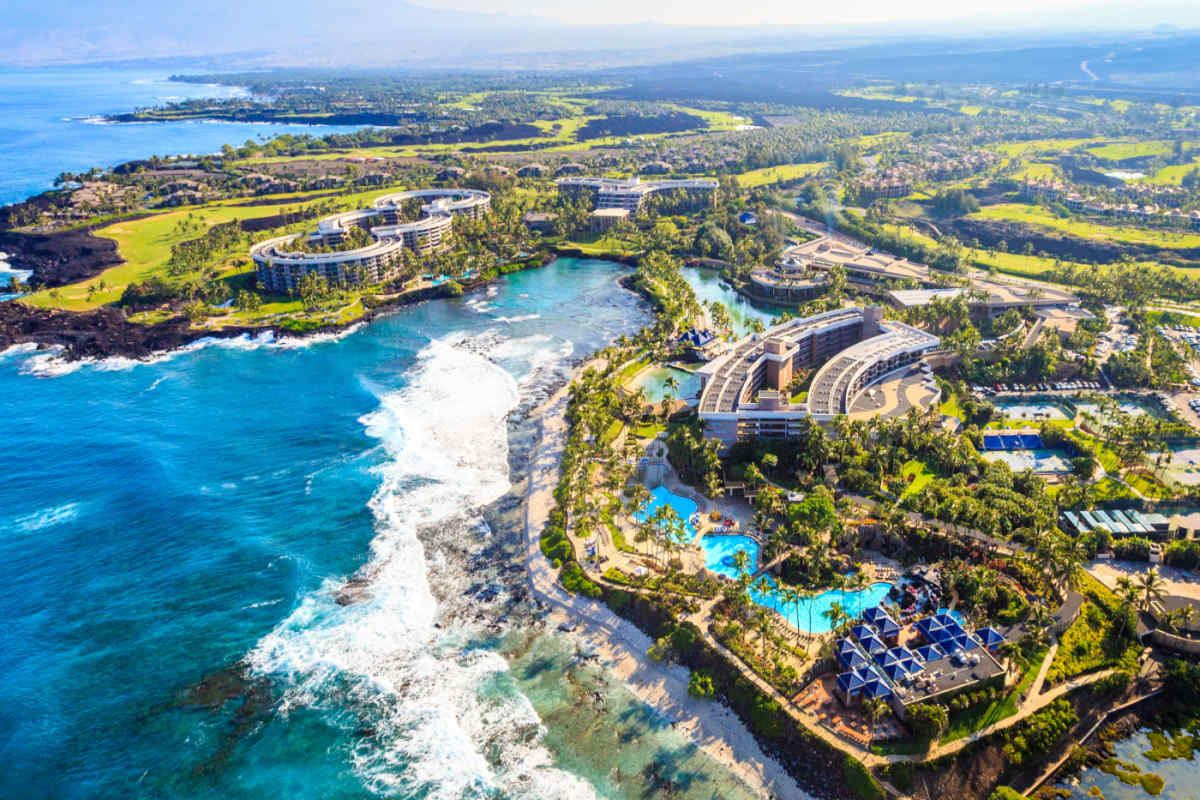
{"points": [[712, 726]]}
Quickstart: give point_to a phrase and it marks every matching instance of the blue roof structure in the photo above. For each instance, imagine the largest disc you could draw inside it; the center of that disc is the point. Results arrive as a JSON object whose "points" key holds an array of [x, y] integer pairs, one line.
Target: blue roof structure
{"points": [[888, 626], [872, 644], [877, 688], [930, 652], [860, 631], [926, 626], [990, 637], [697, 338], [895, 671], [849, 681]]}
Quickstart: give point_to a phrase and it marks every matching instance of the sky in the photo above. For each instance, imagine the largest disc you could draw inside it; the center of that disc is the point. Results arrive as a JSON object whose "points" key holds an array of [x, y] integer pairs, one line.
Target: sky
{"points": [[823, 12]]}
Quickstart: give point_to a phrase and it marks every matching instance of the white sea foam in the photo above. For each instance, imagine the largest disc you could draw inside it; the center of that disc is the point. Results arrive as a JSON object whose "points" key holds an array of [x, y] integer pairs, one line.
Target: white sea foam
{"points": [[47, 517], [448, 721], [519, 318], [51, 364]]}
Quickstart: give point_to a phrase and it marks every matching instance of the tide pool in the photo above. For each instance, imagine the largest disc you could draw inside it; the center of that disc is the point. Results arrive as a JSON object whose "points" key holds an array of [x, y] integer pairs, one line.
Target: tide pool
{"points": [[1180, 776], [266, 568]]}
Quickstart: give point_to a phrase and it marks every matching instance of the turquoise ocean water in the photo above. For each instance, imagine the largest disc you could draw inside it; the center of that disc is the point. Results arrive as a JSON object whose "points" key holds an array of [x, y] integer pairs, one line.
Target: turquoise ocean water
{"points": [[292, 569]]}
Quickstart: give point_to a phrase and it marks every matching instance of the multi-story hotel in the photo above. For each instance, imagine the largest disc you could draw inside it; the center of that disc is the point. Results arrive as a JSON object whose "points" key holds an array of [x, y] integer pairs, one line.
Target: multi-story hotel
{"points": [[745, 393], [281, 269], [631, 194]]}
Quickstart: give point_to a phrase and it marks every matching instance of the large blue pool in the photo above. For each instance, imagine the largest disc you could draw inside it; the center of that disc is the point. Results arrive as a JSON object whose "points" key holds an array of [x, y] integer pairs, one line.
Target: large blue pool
{"points": [[809, 614], [719, 550], [683, 506]]}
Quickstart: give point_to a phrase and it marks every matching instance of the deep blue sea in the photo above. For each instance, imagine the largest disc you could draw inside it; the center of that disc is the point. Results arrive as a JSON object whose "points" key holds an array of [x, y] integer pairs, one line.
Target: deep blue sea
{"points": [[263, 569], [50, 123]]}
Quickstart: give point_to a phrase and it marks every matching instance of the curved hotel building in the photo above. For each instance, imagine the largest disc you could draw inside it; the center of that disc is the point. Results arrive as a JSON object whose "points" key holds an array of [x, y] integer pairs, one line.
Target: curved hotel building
{"points": [[631, 194], [745, 393], [281, 269]]}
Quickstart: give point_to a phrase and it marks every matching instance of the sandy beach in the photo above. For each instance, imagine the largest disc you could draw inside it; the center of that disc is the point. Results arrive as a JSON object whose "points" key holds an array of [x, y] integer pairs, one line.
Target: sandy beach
{"points": [[622, 647]]}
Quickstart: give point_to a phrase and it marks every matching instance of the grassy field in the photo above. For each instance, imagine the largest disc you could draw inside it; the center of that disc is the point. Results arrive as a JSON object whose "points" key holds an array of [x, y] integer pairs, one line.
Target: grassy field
{"points": [[1035, 171], [145, 244], [919, 473], [1172, 175], [1117, 151], [964, 723], [1040, 217], [785, 172], [1037, 146]]}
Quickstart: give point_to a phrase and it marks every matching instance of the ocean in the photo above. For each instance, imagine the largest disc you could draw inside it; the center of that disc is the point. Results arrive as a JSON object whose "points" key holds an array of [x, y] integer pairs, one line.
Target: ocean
{"points": [[268, 568], [50, 123]]}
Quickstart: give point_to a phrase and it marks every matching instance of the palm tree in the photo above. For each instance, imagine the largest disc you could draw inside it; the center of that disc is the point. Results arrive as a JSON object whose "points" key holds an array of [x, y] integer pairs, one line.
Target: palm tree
{"points": [[791, 597], [874, 708], [836, 615], [1010, 649], [1152, 588]]}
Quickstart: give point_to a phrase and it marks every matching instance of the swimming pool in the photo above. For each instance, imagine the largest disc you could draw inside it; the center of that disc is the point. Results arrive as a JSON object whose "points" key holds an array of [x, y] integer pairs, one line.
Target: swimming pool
{"points": [[685, 507], [809, 613], [719, 550]]}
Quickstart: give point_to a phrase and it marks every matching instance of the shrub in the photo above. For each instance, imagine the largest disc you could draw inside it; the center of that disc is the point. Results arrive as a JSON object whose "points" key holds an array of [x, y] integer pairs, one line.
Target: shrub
{"points": [[860, 780], [928, 720], [576, 582], [1005, 793], [701, 685]]}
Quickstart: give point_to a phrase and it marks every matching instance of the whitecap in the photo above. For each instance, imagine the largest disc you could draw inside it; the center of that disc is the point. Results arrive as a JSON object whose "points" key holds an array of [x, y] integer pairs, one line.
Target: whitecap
{"points": [[47, 517], [449, 722]]}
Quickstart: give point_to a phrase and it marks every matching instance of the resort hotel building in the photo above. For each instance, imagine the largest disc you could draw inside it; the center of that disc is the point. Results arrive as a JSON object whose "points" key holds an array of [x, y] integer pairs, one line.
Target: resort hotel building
{"points": [[799, 273], [746, 392], [630, 195], [280, 268]]}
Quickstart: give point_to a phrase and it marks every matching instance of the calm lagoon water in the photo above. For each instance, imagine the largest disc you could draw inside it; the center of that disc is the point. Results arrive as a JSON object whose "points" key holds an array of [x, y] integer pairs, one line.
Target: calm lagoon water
{"points": [[264, 569], [708, 286], [654, 382]]}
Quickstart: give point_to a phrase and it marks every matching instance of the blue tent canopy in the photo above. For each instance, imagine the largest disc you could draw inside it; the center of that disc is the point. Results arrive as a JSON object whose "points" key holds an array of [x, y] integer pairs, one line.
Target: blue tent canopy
{"points": [[872, 644], [930, 652], [873, 614], [887, 626], [859, 631], [990, 637], [850, 681], [927, 625]]}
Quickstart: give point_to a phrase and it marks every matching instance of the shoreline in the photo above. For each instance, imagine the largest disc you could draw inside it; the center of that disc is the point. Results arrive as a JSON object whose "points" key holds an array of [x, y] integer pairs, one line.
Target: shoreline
{"points": [[105, 332], [621, 647]]}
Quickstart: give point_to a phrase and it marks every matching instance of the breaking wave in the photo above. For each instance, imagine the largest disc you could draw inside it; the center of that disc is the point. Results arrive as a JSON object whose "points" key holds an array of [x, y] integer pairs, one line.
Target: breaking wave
{"points": [[447, 719]]}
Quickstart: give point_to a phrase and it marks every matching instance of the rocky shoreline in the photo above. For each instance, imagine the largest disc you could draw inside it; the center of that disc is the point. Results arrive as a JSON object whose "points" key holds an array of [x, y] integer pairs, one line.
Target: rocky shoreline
{"points": [[106, 332]]}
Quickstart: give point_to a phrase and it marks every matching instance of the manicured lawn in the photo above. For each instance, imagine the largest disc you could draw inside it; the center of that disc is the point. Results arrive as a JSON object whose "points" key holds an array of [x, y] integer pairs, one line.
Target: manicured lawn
{"points": [[648, 430], [920, 475], [1037, 216], [1109, 489], [964, 723], [950, 406], [1172, 175], [1120, 150], [1148, 485], [612, 432], [145, 244], [1043, 146], [784, 172]]}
